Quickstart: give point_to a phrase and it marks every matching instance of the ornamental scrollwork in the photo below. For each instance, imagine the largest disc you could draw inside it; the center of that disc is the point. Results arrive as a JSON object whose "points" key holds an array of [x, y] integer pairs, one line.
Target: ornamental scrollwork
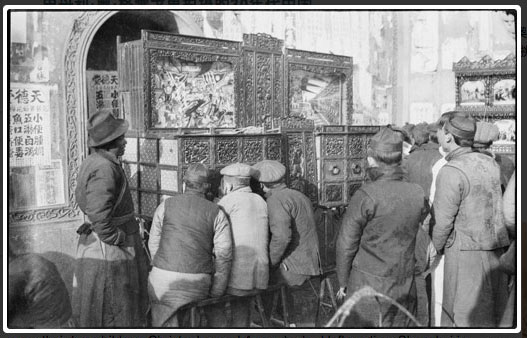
{"points": [[263, 87], [274, 149], [252, 150], [334, 146], [227, 151], [196, 151], [356, 146], [262, 41]]}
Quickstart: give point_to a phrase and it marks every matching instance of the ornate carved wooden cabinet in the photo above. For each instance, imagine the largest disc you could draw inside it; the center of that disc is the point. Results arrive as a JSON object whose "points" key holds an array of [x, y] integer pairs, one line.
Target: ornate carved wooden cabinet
{"points": [[486, 89], [191, 99]]}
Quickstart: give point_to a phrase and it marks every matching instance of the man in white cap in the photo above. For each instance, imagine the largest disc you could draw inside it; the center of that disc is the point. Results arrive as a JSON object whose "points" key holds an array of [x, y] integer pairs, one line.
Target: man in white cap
{"points": [[293, 247], [247, 212], [191, 245], [110, 277]]}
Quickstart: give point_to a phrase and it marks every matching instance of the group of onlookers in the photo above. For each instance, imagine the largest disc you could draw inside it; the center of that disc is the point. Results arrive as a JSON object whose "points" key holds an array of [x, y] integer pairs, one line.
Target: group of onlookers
{"points": [[436, 194], [436, 216]]}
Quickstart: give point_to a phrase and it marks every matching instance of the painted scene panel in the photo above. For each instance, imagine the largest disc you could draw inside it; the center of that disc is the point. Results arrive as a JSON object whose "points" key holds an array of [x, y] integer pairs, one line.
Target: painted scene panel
{"points": [[317, 97], [505, 92], [192, 94], [473, 93]]}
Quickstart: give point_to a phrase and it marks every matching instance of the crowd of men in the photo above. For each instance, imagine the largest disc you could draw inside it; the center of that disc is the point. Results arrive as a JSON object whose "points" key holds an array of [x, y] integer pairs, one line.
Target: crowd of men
{"points": [[438, 206]]}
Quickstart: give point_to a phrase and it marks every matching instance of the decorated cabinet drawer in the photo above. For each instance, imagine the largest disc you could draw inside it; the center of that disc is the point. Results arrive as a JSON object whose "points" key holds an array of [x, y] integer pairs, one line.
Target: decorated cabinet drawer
{"points": [[341, 157]]}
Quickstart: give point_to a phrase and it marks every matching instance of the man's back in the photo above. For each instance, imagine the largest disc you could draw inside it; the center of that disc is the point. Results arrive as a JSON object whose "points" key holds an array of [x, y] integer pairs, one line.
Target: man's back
{"points": [[419, 165], [250, 231], [292, 224]]}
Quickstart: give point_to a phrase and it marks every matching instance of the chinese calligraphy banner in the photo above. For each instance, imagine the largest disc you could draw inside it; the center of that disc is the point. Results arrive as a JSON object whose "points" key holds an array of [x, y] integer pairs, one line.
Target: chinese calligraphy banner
{"points": [[103, 92], [29, 125]]}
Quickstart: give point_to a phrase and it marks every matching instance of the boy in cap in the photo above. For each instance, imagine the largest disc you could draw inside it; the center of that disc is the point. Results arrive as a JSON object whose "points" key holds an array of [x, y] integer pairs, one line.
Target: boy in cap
{"points": [[376, 241], [110, 277], [293, 247], [469, 229], [247, 212], [191, 245]]}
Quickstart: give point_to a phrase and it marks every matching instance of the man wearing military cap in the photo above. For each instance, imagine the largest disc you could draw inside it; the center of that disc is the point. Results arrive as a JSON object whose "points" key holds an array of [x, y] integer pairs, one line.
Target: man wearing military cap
{"points": [[469, 229], [191, 245], [110, 277], [293, 247], [247, 212], [376, 241]]}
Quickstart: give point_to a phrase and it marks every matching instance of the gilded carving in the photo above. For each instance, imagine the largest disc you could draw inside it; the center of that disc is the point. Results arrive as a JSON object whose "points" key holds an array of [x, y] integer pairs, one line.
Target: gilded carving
{"points": [[274, 149], [356, 146], [227, 151], [334, 146], [252, 150], [278, 96], [262, 41], [263, 88], [196, 151], [249, 87]]}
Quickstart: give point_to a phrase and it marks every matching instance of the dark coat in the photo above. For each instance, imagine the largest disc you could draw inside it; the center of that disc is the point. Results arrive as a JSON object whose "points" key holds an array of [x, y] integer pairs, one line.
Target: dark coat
{"points": [[37, 295], [294, 239], [111, 270], [419, 164], [376, 243]]}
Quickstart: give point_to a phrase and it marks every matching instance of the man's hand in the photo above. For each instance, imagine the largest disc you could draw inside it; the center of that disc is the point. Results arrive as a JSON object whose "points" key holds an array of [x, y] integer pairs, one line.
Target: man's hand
{"points": [[341, 294]]}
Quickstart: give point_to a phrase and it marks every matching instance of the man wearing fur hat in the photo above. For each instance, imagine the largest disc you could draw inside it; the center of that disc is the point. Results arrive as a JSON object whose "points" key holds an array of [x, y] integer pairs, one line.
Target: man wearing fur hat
{"points": [[247, 212], [293, 246], [469, 229], [191, 245], [376, 241], [110, 278]]}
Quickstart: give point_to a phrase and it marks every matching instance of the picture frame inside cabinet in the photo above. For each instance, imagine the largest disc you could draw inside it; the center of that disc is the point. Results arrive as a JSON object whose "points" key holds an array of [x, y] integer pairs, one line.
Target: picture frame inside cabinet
{"points": [[486, 89], [497, 78], [318, 87], [191, 82]]}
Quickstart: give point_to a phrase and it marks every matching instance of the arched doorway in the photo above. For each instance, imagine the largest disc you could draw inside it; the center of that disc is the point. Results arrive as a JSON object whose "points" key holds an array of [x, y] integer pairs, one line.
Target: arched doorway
{"points": [[83, 32]]}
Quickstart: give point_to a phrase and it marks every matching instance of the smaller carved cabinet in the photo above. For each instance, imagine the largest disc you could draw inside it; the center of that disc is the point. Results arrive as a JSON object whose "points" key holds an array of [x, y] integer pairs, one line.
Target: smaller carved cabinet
{"points": [[486, 89], [155, 166], [341, 156]]}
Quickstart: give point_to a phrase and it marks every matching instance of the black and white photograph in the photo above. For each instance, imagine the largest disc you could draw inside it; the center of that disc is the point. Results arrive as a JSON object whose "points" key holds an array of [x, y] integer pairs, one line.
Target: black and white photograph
{"points": [[266, 168]]}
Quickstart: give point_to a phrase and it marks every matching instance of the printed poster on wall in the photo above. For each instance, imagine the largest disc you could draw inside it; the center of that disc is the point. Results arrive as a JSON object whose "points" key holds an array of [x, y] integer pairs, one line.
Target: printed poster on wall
{"points": [[49, 185], [29, 125], [103, 92]]}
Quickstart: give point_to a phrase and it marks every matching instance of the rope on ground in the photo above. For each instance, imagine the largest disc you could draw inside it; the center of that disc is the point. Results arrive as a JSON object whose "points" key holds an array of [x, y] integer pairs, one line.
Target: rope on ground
{"points": [[367, 291]]}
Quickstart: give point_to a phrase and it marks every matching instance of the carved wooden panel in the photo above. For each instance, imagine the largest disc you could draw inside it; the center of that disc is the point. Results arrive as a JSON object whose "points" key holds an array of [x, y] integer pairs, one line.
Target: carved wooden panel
{"points": [[274, 149], [319, 86], [148, 178], [196, 150], [342, 161], [149, 203], [227, 151], [252, 150], [263, 80], [301, 163]]}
